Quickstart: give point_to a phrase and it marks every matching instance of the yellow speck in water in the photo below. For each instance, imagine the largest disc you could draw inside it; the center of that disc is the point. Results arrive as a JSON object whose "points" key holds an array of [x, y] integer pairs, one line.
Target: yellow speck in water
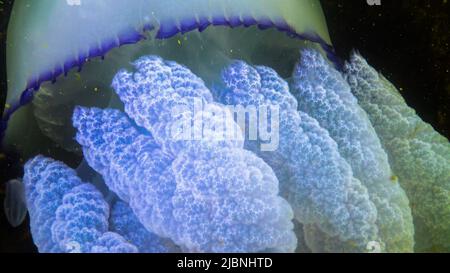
{"points": [[179, 42], [394, 179], [7, 106], [78, 76], [96, 89]]}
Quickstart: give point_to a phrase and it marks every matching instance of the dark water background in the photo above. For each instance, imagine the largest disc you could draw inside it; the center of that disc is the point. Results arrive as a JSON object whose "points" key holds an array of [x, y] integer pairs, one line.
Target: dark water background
{"points": [[407, 40]]}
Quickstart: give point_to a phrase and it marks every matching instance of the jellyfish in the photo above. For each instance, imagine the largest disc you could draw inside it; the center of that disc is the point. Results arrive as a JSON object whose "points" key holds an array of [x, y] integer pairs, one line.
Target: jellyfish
{"points": [[14, 204], [61, 54], [95, 83]]}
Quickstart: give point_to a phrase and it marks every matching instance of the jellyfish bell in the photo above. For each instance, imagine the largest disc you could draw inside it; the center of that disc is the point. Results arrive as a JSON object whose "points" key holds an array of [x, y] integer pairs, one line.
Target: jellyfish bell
{"points": [[62, 53]]}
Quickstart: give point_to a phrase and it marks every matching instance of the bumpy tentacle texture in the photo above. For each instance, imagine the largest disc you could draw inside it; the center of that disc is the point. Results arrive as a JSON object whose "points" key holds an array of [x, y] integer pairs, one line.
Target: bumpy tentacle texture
{"points": [[206, 195], [111, 242], [124, 222], [66, 214], [419, 156], [314, 178], [124, 156], [323, 93]]}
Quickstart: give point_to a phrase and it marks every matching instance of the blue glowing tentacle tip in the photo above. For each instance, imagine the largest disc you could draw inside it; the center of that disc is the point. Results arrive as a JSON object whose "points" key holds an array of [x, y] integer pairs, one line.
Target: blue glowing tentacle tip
{"points": [[67, 215], [46, 182]]}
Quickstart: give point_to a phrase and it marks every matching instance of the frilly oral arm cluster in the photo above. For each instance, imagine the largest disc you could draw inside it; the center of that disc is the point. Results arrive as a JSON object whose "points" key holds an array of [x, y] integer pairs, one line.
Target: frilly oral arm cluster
{"points": [[67, 215], [420, 157], [205, 195], [323, 93], [314, 178]]}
